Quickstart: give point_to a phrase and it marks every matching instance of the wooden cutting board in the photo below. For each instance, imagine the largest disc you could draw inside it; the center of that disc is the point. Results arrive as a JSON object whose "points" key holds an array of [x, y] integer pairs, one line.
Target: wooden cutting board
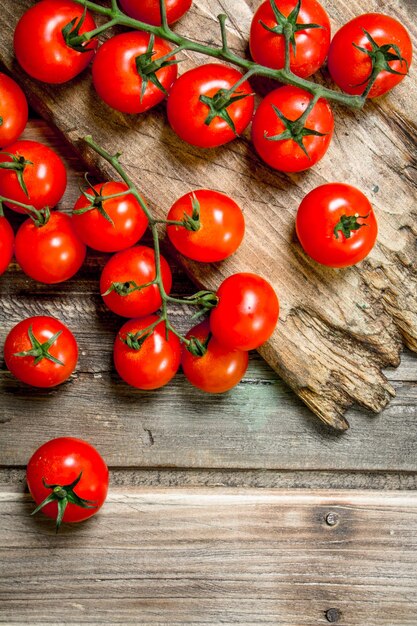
{"points": [[338, 328]]}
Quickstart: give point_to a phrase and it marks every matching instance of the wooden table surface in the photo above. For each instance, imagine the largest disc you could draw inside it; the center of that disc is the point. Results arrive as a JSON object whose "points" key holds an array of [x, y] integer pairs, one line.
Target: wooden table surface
{"points": [[240, 509]]}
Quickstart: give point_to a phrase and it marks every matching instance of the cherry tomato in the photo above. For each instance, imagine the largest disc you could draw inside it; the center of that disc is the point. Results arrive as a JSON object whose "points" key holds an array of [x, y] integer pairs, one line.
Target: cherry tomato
{"points": [[247, 312], [42, 171], [72, 475], [110, 225], [287, 155], [221, 226], [126, 271], [189, 115], [40, 46], [120, 72], [219, 369], [148, 10], [336, 225], [41, 351], [51, 253], [6, 244], [13, 111], [311, 44], [152, 362], [351, 67]]}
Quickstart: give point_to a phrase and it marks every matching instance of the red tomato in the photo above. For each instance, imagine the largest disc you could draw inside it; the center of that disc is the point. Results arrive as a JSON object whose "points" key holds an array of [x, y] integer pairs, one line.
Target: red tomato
{"points": [[124, 225], [148, 10], [351, 68], [336, 225], [6, 244], [40, 46], [247, 312], [311, 44], [287, 155], [72, 475], [220, 368], [128, 269], [42, 171], [120, 72], [188, 114], [51, 253], [41, 351], [221, 226], [13, 111], [154, 361]]}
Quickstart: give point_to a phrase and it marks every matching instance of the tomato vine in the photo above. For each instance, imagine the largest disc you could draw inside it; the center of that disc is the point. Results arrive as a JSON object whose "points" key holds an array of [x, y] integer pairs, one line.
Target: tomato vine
{"points": [[116, 17], [203, 300]]}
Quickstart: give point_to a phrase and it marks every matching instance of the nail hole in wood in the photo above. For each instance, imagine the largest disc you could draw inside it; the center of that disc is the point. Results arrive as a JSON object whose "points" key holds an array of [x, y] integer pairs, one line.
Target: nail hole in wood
{"points": [[332, 519], [332, 615]]}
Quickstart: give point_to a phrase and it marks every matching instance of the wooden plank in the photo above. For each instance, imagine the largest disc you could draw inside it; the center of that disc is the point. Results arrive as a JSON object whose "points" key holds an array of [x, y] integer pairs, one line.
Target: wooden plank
{"points": [[201, 556], [258, 426], [337, 330], [15, 478]]}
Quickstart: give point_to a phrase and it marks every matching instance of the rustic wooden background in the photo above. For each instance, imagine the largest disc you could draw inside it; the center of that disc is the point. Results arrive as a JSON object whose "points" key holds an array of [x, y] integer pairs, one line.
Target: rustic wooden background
{"points": [[239, 509], [185, 538], [337, 328]]}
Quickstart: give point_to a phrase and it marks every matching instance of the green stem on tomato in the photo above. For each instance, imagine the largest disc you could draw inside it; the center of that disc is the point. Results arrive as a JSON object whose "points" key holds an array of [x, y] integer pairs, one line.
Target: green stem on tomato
{"points": [[287, 39], [303, 118], [79, 39], [223, 52], [170, 222], [39, 217]]}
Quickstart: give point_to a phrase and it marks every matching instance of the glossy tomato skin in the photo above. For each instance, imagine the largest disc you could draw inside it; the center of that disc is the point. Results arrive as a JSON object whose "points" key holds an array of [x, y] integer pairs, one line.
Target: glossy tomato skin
{"points": [[312, 44], [155, 363], [187, 114], [220, 369], [285, 155], [129, 220], [6, 244], [247, 312], [116, 78], [39, 44], [135, 264], [46, 373], [13, 110], [51, 253], [148, 10], [317, 216], [350, 68], [59, 462], [45, 178], [222, 226]]}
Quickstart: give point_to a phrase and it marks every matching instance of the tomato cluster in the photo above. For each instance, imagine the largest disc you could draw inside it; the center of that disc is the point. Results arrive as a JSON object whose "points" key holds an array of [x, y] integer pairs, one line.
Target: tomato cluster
{"points": [[207, 106], [50, 247], [210, 105]]}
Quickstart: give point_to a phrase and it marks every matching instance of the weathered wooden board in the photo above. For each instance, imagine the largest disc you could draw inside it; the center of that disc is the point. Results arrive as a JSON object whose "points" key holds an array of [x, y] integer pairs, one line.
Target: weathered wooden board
{"points": [[261, 424], [337, 328], [201, 556]]}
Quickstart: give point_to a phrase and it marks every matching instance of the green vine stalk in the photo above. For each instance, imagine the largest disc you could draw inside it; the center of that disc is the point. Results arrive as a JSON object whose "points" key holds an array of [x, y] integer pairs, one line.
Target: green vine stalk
{"points": [[203, 300], [285, 76]]}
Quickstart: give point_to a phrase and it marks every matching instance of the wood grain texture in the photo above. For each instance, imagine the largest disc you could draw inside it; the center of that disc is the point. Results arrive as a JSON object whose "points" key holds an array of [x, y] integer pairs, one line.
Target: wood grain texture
{"points": [[168, 477], [259, 425], [337, 329], [202, 556]]}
